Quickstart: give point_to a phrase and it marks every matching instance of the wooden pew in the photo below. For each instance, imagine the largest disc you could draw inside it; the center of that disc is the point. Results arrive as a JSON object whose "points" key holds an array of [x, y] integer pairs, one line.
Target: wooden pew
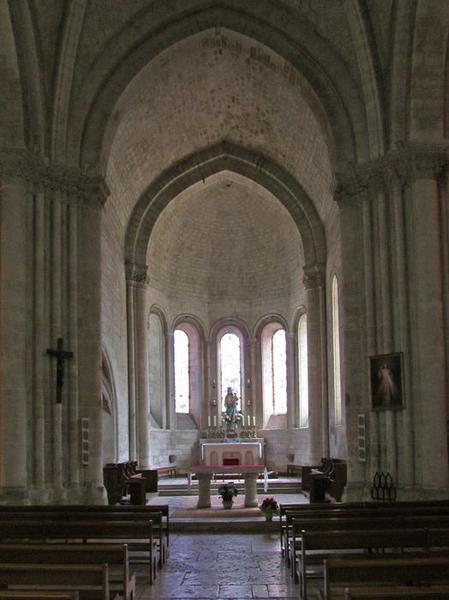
{"points": [[359, 524], [434, 592], [412, 572], [41, 595], [90, 581], [115, 555], [317, 546], [158, 514], [356, 519], [95, 508], [159, 533], [138, 535]]}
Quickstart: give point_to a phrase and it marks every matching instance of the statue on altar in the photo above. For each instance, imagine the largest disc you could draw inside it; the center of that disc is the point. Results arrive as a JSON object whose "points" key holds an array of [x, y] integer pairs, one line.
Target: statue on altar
{"points": [[232, 416]]}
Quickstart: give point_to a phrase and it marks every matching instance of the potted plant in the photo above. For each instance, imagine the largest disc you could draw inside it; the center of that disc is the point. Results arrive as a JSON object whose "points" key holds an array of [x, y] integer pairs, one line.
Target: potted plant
{"points": [[227, 491], [269, 507]]}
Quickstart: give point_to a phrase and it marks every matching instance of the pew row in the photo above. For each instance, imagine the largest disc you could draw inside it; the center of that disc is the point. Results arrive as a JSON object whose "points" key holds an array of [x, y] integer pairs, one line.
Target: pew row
{"points": [[93, 508], [91, 582], [138, 535], [159, 524], [434, 592], [412, 572], [40, 595], [296, 521], [121, 581], [316, 546]]}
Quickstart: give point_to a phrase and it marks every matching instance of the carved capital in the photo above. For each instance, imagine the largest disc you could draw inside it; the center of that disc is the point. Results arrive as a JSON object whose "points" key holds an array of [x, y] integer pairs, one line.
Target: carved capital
{"points": [[400, 166], [136, 274], [91, 191], [314, 276]]}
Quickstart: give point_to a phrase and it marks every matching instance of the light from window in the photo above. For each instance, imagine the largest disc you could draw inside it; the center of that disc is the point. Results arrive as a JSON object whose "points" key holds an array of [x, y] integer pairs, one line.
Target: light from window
{"points": [[336, 351], [182, 380], [230, 364], [303, 373], [279, 362]]}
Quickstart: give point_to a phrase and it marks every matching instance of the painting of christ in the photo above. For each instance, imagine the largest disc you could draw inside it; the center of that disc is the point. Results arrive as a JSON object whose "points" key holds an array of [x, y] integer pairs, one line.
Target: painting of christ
{"points": [[386, 381]]}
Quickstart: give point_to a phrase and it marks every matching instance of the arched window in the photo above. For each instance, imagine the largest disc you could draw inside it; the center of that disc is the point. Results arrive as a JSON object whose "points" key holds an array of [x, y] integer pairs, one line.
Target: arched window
{"points": [[156, 371], [274, 373], [188, 371], [303, 379], [336, 351], [182, 372], [230, 367], [279, 355]]}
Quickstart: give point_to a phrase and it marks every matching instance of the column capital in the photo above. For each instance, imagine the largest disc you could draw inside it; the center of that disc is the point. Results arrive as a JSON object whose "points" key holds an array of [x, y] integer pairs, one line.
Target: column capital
{"points": [[90, 190], [136, 274], [403, 165], [314, 276]]}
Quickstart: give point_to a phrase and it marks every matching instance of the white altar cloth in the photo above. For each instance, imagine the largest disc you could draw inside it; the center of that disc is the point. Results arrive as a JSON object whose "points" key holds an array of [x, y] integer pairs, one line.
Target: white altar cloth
{"points": [[245, 452]]}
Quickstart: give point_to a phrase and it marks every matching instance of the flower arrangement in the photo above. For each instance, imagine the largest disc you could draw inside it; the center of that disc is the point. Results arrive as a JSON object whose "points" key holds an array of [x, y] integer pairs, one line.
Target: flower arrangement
{"points": [[228, 490], [269, 507]]}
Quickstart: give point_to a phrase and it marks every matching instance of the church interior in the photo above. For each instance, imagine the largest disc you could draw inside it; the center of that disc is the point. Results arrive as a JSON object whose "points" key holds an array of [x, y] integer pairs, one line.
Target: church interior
{"points": [[223, 222]]}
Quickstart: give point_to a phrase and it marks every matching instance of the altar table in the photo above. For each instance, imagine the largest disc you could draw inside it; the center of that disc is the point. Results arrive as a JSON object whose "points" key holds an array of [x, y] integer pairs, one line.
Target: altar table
{"points": [[204, 474]]}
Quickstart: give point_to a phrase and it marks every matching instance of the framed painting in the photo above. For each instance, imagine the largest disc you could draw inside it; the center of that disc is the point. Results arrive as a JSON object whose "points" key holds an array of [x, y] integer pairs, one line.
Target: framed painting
{"points": [[386, 381]]}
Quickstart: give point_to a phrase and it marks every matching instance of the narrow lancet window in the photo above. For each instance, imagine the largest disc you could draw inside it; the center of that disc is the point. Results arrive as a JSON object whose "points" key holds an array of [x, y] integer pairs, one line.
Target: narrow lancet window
{"points": [[182, 372], [303, 373], [336, 351]]}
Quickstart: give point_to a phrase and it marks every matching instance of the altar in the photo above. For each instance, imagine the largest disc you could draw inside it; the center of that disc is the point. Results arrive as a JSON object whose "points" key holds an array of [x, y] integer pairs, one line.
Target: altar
{"points": [[232, 452], [204, 473]]}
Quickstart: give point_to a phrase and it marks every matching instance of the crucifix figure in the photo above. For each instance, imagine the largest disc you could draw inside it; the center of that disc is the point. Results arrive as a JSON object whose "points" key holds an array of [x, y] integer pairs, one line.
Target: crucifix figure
{"points": [[61, 355]]}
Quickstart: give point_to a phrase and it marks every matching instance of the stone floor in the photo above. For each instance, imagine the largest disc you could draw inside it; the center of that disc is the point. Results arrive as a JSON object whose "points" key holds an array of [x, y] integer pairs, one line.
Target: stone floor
{"points": [[217, 566], [220, 564]]}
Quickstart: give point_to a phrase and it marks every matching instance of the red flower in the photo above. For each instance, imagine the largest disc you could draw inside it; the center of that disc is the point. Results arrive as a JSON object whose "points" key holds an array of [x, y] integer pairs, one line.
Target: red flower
{"points": [[269, 504]]}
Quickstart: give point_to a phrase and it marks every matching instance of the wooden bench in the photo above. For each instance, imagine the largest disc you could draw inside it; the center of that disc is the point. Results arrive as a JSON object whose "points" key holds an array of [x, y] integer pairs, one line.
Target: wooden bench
{"points": [[156, 518], [317, 546], [33, 595], [353, 524], [115, 555], [138, 535], [422, 516], [434, 592], [413, 572], [158, 514], [89, 581], [124, 477], [166, 471]]}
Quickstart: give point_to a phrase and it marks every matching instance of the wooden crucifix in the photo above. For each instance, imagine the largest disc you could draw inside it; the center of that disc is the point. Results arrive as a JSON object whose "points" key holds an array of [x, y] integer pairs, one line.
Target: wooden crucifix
{"points": [[61, 355]]}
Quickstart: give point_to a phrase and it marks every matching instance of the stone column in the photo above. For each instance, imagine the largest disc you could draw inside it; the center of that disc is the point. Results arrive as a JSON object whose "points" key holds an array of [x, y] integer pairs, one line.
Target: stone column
{"points": [[316, 343], [170, 408], [14, 338], [250, 490], [130, 316], [136, 279], [204, 490], [39, 344], [89, 326], [351, 199], [428, 343]]}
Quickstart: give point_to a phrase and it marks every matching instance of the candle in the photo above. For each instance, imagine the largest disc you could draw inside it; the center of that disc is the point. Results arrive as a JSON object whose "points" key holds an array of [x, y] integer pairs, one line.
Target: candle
{"points": [[249, 421], [215, 420], [208, 421], [254, 421]]}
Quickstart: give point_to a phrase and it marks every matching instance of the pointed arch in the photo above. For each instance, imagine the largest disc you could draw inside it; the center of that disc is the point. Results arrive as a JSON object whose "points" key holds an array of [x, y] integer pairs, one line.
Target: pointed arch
{"points": [[226, 157], [288, 33]]}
